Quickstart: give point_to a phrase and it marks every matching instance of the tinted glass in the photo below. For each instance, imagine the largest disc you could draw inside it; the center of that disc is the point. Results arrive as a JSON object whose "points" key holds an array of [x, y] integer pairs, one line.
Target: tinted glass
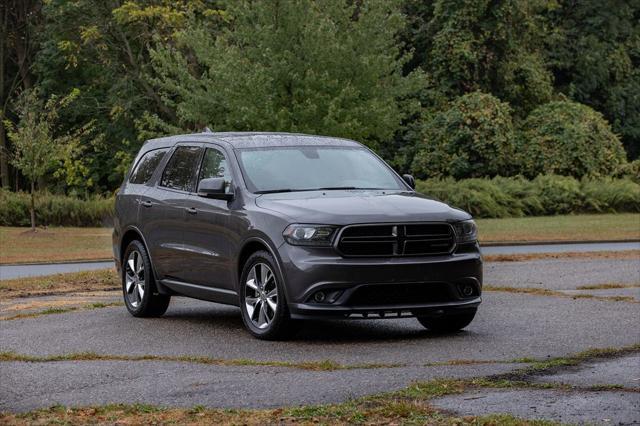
{"points": [[146, 166], [308, 168], [181, 169], [214, 165]]}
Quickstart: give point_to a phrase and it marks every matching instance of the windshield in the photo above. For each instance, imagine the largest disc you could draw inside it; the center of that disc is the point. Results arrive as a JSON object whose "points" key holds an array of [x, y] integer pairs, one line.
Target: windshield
{"points": [[307, 168]]}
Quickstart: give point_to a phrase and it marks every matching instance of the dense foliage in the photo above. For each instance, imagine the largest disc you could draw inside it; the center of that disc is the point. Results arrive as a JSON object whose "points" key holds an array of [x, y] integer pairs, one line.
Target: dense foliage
{"points": [[55, 210], [471, 137], [439, 88], [571, 139], [544, 195]]}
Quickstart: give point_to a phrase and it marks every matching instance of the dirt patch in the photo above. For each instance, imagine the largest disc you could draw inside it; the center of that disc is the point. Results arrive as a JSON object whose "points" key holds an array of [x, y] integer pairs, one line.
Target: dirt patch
{"points": [[100, 280], [557, 293], [628, 254]]}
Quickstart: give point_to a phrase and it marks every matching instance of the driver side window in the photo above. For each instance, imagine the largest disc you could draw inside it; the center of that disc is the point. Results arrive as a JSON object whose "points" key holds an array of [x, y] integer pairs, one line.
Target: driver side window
{"points": [[214, 165]]}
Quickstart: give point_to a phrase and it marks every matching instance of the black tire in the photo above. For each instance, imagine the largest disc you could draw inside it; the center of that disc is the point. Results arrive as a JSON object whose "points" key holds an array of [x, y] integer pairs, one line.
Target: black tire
{"points": [[280, 325], [448, 323], [152, 303]]}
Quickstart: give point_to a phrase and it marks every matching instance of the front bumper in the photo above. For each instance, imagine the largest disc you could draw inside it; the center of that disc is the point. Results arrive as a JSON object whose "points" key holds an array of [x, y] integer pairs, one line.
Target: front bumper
{"points": [[380, 287]]}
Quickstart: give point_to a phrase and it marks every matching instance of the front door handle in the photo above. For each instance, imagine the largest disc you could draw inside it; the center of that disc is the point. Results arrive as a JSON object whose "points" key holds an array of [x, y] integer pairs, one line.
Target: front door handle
{"points": [[146, 203], [192, 210]]}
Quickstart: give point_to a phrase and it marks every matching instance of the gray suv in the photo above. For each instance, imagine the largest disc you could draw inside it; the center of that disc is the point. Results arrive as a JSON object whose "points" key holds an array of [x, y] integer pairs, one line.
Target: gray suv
{"points": [[289, 227]]}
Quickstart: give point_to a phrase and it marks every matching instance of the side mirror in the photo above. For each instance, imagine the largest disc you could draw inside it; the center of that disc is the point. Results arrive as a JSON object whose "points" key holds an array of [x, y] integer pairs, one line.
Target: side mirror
{"points": [[213, 188], [410, 181]]}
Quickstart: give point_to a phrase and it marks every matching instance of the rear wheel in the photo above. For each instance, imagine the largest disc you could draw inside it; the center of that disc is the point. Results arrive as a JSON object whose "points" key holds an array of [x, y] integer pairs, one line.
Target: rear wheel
{"points": [[448, 323], [138, 284], [262, 300]]}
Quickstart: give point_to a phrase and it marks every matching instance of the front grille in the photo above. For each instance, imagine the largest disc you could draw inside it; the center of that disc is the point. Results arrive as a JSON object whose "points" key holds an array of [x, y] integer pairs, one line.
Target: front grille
{"points": [[418, 239], [400, 294]]}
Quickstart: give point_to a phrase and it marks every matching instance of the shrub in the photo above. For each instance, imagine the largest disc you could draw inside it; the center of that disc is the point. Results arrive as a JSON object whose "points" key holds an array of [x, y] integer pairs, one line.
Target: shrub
{"points": [[545, 195], [571, 139], [473, 137], [631, 170], [55, 210]]}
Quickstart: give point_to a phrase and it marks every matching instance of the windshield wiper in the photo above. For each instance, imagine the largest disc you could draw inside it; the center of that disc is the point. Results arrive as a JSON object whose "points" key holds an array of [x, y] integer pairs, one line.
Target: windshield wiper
{"points": [[273, 191], [346, 188], [327, 188]]}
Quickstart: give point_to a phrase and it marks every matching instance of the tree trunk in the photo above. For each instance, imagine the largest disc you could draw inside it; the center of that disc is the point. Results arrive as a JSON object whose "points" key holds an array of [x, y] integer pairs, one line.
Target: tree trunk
{"points": [[4, 163], [33, 206], [4, 154]]}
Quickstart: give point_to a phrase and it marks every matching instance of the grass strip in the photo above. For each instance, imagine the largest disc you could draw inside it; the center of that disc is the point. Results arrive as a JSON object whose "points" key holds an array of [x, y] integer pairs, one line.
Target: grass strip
{"points": [[21, 246], [524, 257], [556, 293], [53, 311], [73, 282], [579, 227], [410, 407], [606, 286], [325, 365]]}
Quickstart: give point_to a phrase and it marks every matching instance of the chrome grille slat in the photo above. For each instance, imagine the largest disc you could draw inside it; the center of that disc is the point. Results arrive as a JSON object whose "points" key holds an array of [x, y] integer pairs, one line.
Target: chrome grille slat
{"points": [[396, 240]]}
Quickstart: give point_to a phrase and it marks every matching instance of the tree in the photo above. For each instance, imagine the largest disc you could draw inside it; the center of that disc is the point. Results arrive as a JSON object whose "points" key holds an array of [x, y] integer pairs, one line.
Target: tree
{"points": [[102, 49], [593, 50], [472, 137], [494, 47], [35, 148], [19, 20], [331, 67], [571, 139]]}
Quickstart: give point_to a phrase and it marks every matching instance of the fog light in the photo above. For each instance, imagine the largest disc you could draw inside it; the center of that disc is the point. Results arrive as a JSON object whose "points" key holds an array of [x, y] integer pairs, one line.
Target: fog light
{"points": [[319, 297], [467, 290]]}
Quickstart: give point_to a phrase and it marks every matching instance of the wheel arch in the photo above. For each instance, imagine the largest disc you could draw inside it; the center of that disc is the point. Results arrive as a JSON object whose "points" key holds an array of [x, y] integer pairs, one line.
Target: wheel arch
{"points": [[131, 234], [252, 245]]}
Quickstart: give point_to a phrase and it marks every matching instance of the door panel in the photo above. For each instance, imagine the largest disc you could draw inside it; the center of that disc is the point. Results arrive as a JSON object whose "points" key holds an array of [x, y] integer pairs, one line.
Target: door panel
{"points": [[208, 240], [161, 215], [209, 237]]}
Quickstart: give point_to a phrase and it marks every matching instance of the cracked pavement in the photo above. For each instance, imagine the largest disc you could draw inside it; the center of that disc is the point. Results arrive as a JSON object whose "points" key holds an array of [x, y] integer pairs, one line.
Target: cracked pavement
{"points": [[508, 326]]}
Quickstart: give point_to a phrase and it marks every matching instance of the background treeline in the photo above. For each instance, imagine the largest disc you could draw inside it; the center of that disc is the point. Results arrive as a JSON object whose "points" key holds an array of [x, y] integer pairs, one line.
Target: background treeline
{"points": [[443, 89]]}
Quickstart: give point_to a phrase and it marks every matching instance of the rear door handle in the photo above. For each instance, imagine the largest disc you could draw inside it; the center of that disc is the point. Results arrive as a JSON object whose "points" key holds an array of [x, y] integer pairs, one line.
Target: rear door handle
{"points": [[192, 210], [146, 203]]}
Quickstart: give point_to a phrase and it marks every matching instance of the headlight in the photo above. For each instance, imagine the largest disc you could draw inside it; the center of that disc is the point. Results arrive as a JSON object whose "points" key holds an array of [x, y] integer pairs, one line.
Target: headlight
{"points": [[466, 231], [309, 235]]}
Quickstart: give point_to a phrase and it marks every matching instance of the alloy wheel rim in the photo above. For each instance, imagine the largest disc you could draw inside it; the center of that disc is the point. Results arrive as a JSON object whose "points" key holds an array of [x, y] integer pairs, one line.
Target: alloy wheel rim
{"points": [[261, 295], [134, 278]]}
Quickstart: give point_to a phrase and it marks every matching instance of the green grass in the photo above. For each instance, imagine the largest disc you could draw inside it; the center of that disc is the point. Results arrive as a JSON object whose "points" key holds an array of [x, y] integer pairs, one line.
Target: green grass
{"points": [[324, 365], [586, 227], [19, 245]]}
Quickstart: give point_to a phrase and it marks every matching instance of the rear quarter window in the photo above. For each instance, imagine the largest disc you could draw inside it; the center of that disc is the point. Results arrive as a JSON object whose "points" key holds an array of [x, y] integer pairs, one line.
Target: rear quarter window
{"points": [[146, 166]]}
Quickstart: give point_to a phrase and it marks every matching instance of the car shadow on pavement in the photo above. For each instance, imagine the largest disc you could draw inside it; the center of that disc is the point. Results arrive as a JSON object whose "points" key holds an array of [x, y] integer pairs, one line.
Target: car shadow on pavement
{"points": [[227, 319]]}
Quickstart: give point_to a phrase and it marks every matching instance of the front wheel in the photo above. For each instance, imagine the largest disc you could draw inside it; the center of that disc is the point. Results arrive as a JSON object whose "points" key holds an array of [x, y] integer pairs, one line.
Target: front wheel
{"points": [[262, 300], [138, 285], [448, 323]]}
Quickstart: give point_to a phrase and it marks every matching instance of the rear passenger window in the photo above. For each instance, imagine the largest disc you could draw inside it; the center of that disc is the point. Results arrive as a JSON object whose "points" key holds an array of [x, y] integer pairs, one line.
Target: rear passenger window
{"points": [[214, 165], [181, 169], [146, 166]]}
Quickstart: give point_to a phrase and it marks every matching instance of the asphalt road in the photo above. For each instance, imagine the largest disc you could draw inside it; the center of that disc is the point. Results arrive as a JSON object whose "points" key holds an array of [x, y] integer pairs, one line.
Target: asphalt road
{"points": [[19, 271], [508, 326]]}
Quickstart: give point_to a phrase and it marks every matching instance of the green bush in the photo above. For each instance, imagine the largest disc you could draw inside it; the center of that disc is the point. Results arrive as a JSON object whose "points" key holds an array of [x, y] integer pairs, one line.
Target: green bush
{"points": [[570, 139], [544, 195], [55, 210], [473, 137], [631, 170]]}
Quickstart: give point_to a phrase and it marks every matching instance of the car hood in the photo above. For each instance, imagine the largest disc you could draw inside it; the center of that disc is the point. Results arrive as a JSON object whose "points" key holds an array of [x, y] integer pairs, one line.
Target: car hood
{"points": [[347, 207]]}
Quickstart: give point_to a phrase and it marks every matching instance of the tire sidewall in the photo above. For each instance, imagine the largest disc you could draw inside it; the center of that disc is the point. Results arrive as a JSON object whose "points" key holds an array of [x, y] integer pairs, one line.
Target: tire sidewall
{"points": [[282, 312], [148, 276]]}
